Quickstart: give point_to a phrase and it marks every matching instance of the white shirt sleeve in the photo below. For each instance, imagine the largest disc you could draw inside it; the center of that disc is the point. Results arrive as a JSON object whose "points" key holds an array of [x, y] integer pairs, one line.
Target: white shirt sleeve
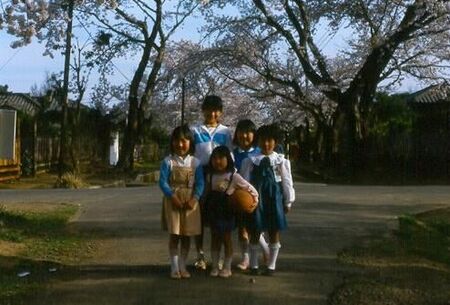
{"points": [[287, 183]]}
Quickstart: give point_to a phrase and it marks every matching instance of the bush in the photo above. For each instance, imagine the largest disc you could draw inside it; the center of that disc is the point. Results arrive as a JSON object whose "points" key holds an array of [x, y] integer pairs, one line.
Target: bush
{"points": [[70, 181]]}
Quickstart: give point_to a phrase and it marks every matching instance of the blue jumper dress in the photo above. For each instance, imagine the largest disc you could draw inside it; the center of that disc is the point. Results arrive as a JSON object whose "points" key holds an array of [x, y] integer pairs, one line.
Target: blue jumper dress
{"points": [[269, 214]]}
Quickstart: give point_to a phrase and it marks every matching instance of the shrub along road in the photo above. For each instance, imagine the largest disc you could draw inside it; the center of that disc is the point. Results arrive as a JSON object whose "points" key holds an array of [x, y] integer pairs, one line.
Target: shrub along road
{"points": [[130, 265]]}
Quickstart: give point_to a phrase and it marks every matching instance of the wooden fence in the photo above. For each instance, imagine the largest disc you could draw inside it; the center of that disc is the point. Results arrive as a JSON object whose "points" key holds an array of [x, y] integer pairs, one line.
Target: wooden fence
{"points": [[10, 168]]}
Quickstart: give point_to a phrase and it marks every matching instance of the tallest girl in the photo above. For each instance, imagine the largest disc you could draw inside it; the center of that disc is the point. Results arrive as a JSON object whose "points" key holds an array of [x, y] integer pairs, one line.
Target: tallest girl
{"points": [[208, 136]]}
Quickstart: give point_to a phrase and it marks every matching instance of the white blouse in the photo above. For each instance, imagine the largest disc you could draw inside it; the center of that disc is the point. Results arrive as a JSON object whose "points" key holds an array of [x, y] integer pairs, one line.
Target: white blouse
{"points": [[281, 168]]}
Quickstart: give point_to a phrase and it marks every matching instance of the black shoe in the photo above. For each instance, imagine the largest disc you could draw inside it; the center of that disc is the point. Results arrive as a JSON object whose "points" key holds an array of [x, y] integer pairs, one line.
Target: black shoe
{"points": [[254, 271]]}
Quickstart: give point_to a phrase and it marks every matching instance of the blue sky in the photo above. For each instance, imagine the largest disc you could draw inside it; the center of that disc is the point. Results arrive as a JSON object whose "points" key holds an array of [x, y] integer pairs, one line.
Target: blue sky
{"points": [[23, 67]]}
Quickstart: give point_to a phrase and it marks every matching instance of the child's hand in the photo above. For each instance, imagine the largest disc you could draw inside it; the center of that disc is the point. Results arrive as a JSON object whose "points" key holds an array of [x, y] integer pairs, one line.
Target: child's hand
{"points": [[176, 202], [286, 209], [190, 203]]}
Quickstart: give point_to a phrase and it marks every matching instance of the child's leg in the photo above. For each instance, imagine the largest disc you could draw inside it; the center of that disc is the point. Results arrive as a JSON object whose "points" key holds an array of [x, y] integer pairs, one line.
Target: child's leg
{"points": [[228, 249], [216, 242], [274, 248], [200, 263], [185, 245], [254, 249], [264, 247], [173, 252], [244, 244]]}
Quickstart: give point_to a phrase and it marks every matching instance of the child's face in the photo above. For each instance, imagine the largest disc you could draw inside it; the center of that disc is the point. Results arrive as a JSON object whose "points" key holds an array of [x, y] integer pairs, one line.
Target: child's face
{"points": [[267, 146], [181, 146], [245, 139], [211, 116], [219, 163]]}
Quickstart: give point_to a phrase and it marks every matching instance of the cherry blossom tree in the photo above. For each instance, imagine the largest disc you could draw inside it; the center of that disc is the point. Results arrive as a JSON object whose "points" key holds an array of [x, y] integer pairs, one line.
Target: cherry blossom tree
{"points": [[385, 41], [140, 29]]}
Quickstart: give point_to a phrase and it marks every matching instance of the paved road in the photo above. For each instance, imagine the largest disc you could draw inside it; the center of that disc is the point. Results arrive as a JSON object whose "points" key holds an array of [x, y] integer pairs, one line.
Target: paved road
{"points": [[131, 264]]}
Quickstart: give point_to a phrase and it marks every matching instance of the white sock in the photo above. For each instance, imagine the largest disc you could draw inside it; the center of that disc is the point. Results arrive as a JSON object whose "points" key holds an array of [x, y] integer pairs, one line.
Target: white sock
{"points": [[182, 260], [254, 249], [274, 250], [174, 263], [227, 263], [215, 259], [244, 251], [264, 245]]}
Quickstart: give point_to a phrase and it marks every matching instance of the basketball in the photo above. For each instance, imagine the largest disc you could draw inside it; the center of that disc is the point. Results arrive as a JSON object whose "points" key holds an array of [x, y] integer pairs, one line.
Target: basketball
{"points": [[242, 201]]}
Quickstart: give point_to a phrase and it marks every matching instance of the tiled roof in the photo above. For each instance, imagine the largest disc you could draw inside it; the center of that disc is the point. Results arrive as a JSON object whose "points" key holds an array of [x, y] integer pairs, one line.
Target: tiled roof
{"points": [[432, 94], [20, 101]]}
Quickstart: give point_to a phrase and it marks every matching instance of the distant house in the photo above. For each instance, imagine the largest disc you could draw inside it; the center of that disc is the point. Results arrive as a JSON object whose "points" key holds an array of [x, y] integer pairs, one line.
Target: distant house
{"points": [[12, 104], [431, 138]]}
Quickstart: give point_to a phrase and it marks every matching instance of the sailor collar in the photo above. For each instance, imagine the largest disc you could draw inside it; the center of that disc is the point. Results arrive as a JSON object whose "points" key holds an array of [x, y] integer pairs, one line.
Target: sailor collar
{"points": [[275, 158]]}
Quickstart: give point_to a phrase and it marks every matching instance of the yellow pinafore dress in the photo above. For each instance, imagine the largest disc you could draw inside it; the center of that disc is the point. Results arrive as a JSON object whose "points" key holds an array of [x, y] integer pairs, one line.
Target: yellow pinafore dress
{"points": [[181, 221]]}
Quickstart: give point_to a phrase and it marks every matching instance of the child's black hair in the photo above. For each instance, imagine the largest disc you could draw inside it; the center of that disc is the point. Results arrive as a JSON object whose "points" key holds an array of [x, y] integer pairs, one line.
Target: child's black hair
{"points": [[212, 102], [269, 132], [244, 126], [222, 151], [182, 132]]}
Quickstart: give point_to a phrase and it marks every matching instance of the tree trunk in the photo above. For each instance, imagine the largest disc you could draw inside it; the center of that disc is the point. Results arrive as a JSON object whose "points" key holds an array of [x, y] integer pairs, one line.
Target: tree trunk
{"points": [[346, 154], [63, 165], [126, 158]]}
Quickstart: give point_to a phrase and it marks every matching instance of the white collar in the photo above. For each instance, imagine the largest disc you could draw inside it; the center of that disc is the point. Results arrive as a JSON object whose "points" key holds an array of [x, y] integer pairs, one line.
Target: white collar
{"points": [[180, 159], [275, 158], [240, 150]]}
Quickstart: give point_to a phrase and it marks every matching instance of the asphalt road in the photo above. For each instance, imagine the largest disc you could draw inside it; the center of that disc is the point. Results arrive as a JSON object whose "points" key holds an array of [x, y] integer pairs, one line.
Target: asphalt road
{"points": [[131, 264]]}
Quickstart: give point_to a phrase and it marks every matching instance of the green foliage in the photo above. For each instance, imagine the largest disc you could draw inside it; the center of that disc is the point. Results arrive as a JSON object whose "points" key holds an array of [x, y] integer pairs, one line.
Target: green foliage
{"points": [[390, 115]]}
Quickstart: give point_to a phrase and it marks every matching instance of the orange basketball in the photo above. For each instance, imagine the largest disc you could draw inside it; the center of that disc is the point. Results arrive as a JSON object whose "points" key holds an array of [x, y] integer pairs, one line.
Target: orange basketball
{"points": [[243, 201]]}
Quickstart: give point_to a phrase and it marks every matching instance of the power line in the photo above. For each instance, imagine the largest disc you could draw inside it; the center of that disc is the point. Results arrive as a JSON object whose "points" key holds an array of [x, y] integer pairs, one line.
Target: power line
{"points": [[9, 59]]}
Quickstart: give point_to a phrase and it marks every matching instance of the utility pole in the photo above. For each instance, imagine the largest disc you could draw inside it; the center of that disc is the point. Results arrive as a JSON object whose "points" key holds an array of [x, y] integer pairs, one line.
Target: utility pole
{"points": [[183, 96], [62, 164]]}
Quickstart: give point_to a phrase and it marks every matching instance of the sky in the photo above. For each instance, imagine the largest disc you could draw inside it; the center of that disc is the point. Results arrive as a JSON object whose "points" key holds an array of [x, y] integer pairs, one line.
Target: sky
{"points": [[23, 67]]}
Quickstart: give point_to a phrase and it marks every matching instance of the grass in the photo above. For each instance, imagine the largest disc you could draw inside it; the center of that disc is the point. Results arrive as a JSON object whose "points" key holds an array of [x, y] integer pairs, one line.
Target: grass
{"points": [[44, 239], [410, 266], [90, 175]]}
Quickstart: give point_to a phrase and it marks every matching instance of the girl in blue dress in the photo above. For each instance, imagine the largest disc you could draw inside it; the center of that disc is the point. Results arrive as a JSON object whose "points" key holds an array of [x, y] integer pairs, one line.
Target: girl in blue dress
{"points": [[270, 173]]}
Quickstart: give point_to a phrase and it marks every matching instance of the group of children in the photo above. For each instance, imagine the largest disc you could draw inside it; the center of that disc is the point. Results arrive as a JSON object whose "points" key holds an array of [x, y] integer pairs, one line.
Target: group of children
{"points": [[202, 171]]}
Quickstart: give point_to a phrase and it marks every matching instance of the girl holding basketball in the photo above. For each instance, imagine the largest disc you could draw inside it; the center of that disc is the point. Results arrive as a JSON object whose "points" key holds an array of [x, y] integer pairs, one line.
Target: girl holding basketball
{"points": [[181, 180], [270, 173], [221, 182], [245, 146]]}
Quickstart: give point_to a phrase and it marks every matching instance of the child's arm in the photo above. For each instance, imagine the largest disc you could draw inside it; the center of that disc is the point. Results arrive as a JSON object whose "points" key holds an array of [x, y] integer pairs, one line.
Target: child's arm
{"points": [[199, 186], [240, 183], [287, 184], [164, 174]]}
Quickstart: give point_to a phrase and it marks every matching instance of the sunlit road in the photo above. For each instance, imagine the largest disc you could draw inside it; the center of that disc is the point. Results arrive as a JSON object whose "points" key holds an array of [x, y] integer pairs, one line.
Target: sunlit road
{"points": [[131, 267]]}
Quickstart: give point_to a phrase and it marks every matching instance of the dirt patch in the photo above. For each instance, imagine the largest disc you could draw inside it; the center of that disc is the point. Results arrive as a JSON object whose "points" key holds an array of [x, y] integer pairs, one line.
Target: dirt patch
{"points": [[410, 266], [10, 248]]}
